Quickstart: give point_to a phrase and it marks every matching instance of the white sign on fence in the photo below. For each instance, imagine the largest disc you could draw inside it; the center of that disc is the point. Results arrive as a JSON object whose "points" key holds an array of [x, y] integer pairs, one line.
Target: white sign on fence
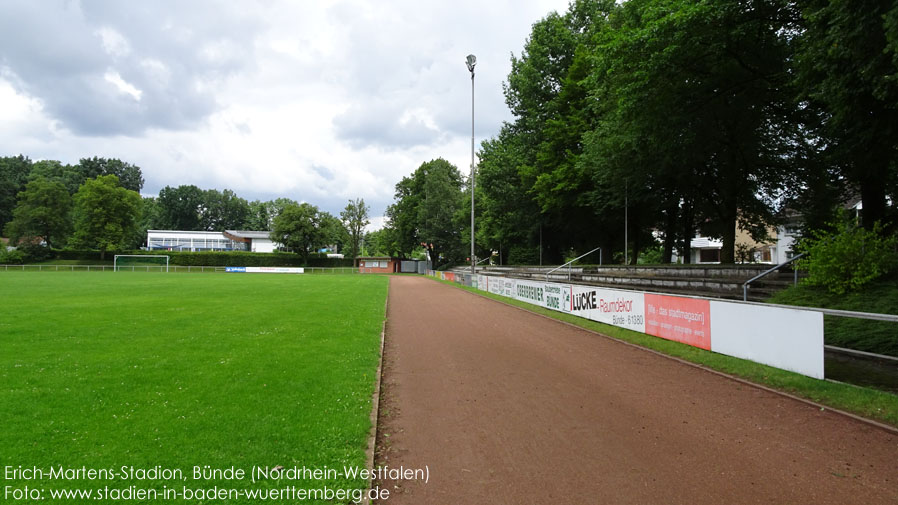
{"points": [[784, 338], [265, 270]]}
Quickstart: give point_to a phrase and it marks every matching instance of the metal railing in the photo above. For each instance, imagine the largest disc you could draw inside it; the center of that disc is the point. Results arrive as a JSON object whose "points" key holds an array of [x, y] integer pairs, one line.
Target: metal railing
{"points": [[769, 271], [568, 264], [892, 318]]}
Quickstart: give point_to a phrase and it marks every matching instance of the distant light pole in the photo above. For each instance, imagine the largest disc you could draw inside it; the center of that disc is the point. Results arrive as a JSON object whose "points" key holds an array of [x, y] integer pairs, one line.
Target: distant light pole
{"points": [[471, 61]]}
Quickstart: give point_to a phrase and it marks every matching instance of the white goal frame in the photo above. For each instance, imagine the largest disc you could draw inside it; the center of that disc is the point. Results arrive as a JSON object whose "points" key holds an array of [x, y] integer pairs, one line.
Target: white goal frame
{"points": [[117, 256]]}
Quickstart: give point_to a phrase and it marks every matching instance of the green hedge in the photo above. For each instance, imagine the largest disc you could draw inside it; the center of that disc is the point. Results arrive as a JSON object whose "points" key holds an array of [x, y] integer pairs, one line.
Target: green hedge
{"points": [[220, 258]]}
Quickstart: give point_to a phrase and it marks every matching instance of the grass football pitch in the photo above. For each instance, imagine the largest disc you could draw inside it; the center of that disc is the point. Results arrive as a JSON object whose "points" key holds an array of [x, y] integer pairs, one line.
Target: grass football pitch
{"points": [[139, 376]]}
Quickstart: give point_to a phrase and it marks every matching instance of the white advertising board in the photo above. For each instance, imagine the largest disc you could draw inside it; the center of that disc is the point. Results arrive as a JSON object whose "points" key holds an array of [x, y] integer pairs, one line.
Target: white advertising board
{"points": [[625, 309], [558, 296], [496, 285], [508, 287], [785, 338], [610, 306], [273, 270], [530, 292]]}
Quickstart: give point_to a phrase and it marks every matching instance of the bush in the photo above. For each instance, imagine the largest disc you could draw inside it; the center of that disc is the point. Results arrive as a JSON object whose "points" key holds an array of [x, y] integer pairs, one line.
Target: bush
{"points": [[522, 255], [69, 254], [34, 253], [849, 258], [11, 256], [651, 256]]}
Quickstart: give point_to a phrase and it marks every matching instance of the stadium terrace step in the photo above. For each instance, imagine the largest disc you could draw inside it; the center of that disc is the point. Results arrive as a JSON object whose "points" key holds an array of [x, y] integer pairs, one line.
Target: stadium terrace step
{"points": [[706, 281]]}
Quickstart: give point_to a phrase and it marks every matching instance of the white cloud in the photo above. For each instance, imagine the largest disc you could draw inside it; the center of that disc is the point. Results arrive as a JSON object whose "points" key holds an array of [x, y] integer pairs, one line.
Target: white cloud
{"points": [[123, 87], [157, 72], [13, 106], [114, 43], [314, 101]]}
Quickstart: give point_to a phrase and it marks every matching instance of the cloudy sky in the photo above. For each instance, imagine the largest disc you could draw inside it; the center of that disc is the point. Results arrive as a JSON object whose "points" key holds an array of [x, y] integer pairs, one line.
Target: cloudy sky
{"points": [[317, 101]]}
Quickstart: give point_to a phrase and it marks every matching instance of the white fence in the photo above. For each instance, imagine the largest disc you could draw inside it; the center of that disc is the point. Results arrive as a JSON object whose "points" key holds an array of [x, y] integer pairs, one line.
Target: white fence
{"points": [[791, 339]]}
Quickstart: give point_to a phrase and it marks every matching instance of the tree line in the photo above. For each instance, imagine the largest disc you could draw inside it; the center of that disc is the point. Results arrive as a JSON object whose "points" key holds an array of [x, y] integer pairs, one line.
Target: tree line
{"points": [[684, 116], [96, 204]]}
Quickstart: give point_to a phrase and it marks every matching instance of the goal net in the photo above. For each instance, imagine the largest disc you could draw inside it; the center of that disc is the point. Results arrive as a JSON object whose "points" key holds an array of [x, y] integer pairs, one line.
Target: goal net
{"points": [[140, 263]]}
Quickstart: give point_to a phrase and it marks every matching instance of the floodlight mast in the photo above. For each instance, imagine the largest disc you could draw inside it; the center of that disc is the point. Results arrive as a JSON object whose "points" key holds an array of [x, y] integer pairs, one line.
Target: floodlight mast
{"points": [[471, 60]]}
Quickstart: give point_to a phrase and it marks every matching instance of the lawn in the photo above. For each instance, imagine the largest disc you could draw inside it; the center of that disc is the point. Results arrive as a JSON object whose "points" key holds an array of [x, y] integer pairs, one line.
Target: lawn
{"points": [[161, 371]]}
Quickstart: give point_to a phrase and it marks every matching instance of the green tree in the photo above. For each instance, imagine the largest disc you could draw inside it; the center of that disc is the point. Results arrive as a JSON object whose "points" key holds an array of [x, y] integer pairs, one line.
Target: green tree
{"points": [[14, 172], [299, 227], [848, 66], [150, 219], [424, 212], [262, 214], [402, 217], [439, 207], [106, 215], [130, 176], [70, 176], [548, 94], [223, 210], [180, 207], [43, 211], [379, 243], [259, 217], [696, 102], [508, 216], [355, 218], [332, 232]]}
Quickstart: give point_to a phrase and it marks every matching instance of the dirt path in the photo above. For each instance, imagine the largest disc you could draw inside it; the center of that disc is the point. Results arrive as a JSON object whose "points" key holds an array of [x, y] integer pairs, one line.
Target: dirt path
{"points": [[506, 407]]}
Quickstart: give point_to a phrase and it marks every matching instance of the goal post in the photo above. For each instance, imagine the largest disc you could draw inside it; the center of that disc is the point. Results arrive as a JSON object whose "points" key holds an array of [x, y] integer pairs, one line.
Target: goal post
{"points": [[137, 262]]}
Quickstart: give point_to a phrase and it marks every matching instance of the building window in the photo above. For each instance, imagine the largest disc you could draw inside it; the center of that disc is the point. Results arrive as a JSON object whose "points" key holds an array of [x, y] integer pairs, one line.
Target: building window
{"points": [[709, 256]]}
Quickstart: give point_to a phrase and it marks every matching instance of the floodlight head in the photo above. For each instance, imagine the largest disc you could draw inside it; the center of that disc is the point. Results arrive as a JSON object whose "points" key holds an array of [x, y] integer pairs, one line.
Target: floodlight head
{"points": [[471, 61]]}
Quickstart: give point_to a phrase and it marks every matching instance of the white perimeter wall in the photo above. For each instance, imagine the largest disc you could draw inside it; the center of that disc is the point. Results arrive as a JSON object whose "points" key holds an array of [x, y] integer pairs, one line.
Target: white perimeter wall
{"points": [[785, 338]]}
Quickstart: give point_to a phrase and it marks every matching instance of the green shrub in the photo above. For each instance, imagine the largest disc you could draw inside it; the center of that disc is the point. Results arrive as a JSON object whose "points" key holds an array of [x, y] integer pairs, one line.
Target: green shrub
{"points": [[34, 253], [651, 256], [848, 258], [69, 254], [11, 257], [522, 255]]}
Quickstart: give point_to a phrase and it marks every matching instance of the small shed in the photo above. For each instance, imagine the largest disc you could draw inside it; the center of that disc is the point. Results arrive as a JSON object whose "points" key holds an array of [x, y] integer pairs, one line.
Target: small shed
{"points": [[379, 265]]}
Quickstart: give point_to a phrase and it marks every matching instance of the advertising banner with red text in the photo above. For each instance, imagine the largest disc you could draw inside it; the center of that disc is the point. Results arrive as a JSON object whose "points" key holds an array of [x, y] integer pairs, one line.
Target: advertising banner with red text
{"points": [[686, 320]]}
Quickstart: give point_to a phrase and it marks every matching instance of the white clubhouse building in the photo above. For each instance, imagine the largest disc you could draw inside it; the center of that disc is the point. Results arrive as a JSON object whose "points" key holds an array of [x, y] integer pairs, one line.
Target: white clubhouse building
{"points": [[228, 240]]}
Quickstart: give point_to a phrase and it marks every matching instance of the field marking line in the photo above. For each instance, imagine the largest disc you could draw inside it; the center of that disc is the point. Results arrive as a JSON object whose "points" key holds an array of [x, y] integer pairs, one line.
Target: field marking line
{"points": [[876, 424], [375, 403]]}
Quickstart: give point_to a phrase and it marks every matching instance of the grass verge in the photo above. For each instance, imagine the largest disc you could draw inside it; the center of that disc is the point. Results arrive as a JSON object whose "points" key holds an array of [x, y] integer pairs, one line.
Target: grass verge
{"points": [[161, 371], [869, 403]]}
